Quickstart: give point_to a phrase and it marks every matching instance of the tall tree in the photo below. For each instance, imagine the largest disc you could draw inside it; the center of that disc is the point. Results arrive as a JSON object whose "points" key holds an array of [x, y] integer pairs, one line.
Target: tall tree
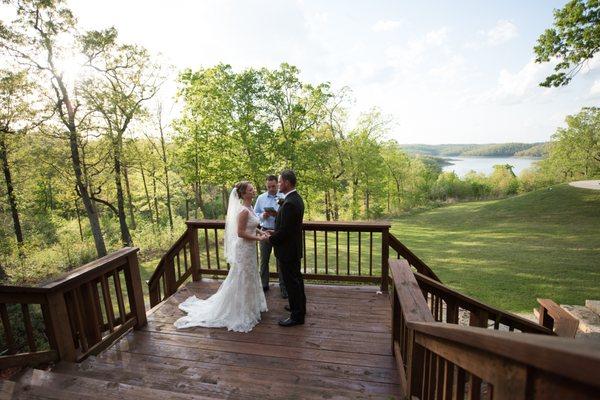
{"points": [[126, 78], [574, 39], [36, 38], [15, 114]]}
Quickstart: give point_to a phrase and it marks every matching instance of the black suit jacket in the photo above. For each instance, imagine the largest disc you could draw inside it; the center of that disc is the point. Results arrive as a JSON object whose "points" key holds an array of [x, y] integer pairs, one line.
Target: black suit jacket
{"points": [[287, 237]]}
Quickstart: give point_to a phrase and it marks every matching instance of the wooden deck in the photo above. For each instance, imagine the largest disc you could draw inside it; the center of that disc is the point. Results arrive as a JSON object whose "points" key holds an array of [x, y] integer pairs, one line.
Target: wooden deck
{"points": [[343, 351]]}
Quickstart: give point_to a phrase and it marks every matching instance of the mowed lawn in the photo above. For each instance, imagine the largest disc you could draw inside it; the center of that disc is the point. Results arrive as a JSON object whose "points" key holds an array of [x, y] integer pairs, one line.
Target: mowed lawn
{"points": [[507, 253]]}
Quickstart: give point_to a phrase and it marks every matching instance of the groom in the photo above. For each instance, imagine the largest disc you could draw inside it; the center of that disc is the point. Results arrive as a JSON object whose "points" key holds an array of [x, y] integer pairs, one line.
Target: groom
{"points": [[287, 241]]}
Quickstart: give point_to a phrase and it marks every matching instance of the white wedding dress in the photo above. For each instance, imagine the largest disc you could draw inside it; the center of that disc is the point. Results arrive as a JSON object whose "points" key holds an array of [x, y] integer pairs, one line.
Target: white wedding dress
{"points": [[240, 299]]}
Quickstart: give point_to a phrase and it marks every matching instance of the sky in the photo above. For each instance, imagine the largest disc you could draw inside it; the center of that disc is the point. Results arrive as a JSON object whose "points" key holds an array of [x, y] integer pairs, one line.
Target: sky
{"points": [[443, 71]]}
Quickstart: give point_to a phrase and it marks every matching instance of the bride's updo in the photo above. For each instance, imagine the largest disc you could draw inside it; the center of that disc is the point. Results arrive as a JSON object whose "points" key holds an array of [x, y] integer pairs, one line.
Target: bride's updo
{"points": [[241, 188]]}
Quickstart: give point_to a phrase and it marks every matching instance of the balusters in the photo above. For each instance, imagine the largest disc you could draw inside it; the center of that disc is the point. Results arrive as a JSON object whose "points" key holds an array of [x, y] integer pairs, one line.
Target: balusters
{"points": [[119, 293], [217, 249], [359, 253], [326, 254], [207, 247], [28, 327], [315, 248], [348, 252], [304, 248], [110, 315], [370, 253], [337, 253], [8, 333]]}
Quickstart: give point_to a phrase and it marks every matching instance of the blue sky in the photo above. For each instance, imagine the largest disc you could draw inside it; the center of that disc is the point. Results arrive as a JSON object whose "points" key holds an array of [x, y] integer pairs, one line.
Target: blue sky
{"points": [[444, 71]]}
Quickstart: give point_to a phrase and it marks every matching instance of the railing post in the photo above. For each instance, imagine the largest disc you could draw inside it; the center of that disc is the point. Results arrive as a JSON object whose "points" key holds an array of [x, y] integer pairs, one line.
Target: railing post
{"points": [[134, 290], [59, 326], [195, 254], [415, 362], [385, 253]]}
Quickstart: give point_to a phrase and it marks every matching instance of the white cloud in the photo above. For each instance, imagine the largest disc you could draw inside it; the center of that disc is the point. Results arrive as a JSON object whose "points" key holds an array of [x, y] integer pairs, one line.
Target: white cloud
{"points": [[411, 54], [514, 87], [501, 33], [386, 25]]}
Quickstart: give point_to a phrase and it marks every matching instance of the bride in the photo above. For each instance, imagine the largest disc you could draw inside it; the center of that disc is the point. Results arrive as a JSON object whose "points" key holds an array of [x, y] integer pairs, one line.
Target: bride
{"points": [[240, 299]]}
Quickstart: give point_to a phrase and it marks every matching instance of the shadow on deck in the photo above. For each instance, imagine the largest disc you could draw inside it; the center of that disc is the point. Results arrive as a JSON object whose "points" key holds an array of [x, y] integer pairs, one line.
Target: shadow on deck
{"points": [[343, 350]]}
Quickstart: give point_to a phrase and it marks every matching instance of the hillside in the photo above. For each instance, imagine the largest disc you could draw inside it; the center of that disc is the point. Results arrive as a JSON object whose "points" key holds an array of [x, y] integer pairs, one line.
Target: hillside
{"points": [[479, 150], [510, 252]]}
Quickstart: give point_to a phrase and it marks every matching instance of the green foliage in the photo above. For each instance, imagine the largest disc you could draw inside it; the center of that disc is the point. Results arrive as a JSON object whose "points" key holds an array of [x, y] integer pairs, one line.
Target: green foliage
{"points": [[575, 150], [574, 39]]}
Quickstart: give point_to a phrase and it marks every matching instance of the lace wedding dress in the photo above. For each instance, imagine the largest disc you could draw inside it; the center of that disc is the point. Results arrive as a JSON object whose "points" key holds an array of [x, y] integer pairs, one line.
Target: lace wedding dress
{"points": [[240, 299]]}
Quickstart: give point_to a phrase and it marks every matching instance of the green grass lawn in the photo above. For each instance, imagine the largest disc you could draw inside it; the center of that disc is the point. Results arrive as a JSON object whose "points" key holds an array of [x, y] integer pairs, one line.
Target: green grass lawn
{"points": [[543, 244]]}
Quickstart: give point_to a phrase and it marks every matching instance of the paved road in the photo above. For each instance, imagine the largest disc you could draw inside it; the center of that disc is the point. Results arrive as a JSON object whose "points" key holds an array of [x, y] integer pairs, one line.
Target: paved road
{"points": [[594, 185]]}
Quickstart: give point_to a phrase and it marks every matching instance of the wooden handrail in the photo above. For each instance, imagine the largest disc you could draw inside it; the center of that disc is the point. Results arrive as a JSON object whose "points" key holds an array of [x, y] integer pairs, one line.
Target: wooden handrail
{"points": [[438, 359], [412, 259], [454, 299], [332, 226], [169, 276], [75, 323]]}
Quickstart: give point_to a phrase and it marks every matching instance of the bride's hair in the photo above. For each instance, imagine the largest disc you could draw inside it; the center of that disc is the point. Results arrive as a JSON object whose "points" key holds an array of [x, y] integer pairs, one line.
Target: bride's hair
{"points": [[241, 188]]}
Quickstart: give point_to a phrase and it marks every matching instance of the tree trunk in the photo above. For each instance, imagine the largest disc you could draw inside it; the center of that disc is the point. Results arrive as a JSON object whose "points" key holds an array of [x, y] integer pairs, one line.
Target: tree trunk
{"points": [[166, 172], [336, 206], [154, 194], [125, 235], [78, 220], [129, 200], [10, 192], [224, 196], [327, 213], [82, 188], [148, 201]]}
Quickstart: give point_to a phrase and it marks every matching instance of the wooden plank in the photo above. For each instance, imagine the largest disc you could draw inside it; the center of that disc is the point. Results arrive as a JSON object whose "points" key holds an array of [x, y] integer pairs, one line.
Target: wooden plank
{"points": [[509, 378], [134, 290], [233, 381], [109, 339], [565, 324], [28, 359], [57, 322], [472, 304], [561, 356], [385, 373], [409, 294]]}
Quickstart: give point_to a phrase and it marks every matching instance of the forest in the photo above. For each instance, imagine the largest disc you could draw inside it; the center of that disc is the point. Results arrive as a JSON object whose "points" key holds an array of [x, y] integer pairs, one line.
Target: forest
{"points": [[92, 160]]}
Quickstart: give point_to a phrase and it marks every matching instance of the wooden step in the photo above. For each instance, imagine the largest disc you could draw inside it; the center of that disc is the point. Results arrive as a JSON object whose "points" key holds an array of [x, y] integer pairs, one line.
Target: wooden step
{"points": [[53, 385], [221, 381]]}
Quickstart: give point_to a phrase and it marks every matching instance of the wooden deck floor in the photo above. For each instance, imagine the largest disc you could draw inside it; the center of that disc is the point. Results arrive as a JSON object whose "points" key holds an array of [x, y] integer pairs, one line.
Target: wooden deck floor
{"points": [[343, 351]]}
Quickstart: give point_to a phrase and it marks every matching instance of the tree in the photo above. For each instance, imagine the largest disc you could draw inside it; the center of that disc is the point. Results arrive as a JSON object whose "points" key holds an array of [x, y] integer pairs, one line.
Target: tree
{"points": [[35, 38], [574, 39], [126, 78], [15, 119], [575, 150]]}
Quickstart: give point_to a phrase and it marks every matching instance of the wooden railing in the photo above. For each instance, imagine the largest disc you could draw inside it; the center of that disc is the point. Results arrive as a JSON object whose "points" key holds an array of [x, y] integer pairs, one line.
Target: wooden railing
{"points": [[333, 251], [81, 313], [450, 306], [439, 360], [555, 318]]}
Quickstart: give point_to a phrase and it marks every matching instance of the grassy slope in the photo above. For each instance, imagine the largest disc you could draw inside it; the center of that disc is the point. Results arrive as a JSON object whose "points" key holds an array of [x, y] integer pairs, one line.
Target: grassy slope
{"points": [[510, 252]]}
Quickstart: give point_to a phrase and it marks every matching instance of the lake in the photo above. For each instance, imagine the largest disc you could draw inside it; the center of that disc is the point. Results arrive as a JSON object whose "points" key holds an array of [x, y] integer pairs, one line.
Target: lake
{"points": [[462, 165]]}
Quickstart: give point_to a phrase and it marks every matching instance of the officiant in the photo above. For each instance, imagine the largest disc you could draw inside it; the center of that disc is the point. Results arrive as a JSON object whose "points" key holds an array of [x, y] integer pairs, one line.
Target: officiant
{"points": [[266, 208]]}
